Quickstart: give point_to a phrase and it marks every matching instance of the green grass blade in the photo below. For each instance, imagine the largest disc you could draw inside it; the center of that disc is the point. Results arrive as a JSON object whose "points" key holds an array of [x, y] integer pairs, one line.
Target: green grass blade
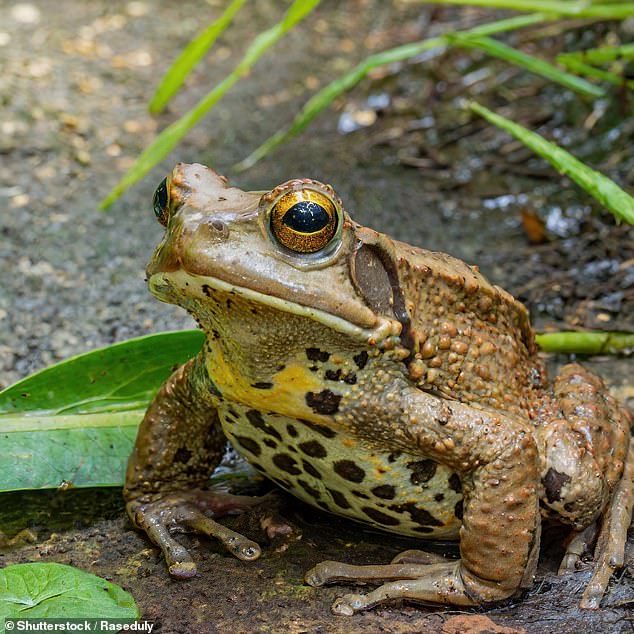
{"points": [[580, 63], [533, 64], [582, 9], [605, 191], [169, 137], [76, 421], [586, 342], [321, 100], [190, 56], [601, 55]]}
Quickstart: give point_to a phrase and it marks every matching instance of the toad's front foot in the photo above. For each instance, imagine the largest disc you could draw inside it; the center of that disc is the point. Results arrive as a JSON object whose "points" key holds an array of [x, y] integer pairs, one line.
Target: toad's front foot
{"points": [[161, 514], [429, 583]]}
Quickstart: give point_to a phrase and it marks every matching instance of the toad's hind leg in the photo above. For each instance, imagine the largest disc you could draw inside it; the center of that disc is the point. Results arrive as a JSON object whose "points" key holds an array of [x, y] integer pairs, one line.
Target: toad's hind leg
{"points": [[588, 471], [610, 549]]}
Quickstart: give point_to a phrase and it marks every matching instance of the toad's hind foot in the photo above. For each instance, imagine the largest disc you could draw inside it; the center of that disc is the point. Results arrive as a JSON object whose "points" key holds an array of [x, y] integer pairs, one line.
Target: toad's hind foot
{"points": [[610, 549], [185, 512], [430, 583]]}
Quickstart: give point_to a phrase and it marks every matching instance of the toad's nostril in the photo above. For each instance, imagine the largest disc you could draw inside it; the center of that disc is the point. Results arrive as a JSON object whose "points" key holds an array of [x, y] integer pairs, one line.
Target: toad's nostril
{"points": [[220, 228]]}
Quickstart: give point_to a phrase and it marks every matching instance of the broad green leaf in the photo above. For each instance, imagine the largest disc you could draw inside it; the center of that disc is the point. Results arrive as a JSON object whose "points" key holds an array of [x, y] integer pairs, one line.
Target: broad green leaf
{"points": [[533, 64], [586, 342], [76, 421], [329, 93], [168, 138], [191, 55], [581, 9], [605, 191], [50, 590]]}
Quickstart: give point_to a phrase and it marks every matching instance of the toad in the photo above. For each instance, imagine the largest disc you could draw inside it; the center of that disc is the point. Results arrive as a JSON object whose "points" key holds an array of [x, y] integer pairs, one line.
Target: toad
{"points": [[382, 382]]}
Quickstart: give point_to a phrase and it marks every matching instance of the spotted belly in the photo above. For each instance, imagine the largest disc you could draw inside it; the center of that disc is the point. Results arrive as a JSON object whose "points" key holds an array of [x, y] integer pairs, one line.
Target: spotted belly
{"points": [[391, 490]]}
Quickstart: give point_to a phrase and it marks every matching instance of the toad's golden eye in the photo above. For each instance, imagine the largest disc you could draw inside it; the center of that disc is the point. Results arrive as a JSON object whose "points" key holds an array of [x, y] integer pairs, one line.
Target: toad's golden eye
{"points": [[304, 221]]}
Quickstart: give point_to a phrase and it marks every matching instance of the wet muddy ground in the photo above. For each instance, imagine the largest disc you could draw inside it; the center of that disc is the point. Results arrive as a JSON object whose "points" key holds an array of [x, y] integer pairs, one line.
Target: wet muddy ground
{"points": [[75, 83]]}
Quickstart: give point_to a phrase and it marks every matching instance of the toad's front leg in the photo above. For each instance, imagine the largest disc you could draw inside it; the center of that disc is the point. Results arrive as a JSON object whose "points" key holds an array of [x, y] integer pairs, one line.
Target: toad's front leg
{"points": [[496, 458], [179, 443]]}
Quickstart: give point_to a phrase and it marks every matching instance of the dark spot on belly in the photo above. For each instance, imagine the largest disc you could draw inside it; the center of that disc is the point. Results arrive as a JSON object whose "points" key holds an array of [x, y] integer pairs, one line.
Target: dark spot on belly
{"points": [[339, 499], [313, 368], [379, 517], [394, 456], [291, 430], [286, 463], [458, 509], [348, 470], [360, 495], [350, 378], [418, 515], [255, 418], [553, 482], [182, 455], [333, 375], [439, 497], [454, 483], [315, 354], [326, 432], [229, 303], [262, 385], [312, 491], [384, 491], [249, 444], [207, 290], [310, 469], [361, 359], [325, 402], [313, 448], [269, 442], [422, 471]]}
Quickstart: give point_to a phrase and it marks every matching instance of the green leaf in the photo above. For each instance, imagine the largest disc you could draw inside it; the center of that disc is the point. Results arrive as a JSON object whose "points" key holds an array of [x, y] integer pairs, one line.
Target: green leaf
{"points": [[166, 140], [329, 93], [586, 342], [50, 590], [76, 421], [605, 191], [191, 55], [533, 64], [582, 9]]}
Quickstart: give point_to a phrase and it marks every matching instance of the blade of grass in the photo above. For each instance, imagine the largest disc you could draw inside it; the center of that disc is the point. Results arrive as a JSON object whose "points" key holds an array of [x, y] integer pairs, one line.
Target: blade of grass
{"points": [[190, 56], [601, 55], [166, 140], [598, 73], [605, 191], [586, 342], [583, 9], [580, 62], [329, 93], [518, 58]]}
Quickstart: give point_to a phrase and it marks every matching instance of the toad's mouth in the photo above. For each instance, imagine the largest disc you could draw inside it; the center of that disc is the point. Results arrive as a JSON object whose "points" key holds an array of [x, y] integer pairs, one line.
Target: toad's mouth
{"points": [[180, 287]]}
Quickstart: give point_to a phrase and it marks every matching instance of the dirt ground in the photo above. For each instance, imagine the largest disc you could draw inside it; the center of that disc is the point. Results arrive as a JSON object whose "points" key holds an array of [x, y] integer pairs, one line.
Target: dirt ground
{"points": [[75, 82]]}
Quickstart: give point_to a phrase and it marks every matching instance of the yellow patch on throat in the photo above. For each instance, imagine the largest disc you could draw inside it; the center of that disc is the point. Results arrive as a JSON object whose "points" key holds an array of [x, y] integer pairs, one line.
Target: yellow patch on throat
{"points": [[285, 396]]}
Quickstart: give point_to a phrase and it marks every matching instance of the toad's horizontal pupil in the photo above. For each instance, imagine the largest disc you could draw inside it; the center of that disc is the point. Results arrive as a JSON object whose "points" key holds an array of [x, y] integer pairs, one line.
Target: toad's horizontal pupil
{"points": [[160, 198], [306, 216]]}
